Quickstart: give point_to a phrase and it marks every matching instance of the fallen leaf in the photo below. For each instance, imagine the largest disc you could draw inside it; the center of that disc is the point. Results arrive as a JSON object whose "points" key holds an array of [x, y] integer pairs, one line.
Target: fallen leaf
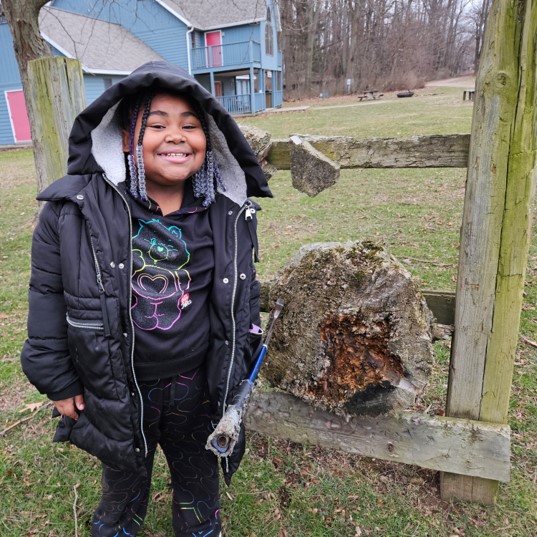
{"points": [[33, 407]]}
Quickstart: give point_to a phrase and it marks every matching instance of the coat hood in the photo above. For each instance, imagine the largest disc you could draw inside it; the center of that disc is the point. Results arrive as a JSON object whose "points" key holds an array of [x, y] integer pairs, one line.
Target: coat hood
{"points": [[95, 143]]}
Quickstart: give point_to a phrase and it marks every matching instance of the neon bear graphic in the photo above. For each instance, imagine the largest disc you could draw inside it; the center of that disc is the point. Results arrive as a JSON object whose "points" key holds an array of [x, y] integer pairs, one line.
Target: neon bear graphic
{"points": [[159, 281]]}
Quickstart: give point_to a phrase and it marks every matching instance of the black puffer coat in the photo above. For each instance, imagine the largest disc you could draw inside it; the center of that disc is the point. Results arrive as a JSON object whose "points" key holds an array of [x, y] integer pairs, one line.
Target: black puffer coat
{"points": [[80, 333]]}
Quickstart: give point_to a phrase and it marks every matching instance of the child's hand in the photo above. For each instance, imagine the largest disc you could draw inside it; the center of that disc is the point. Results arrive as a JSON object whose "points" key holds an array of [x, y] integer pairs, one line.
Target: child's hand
{"points": [[70, 407]]}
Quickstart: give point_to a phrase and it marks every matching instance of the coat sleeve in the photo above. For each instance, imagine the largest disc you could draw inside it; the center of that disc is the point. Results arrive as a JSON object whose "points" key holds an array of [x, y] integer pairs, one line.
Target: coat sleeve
{"points": [[45, 356]]}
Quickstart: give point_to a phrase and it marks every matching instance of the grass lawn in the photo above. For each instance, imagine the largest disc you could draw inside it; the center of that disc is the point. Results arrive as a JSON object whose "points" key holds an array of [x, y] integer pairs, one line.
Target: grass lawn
{"points": [[284, 489]]}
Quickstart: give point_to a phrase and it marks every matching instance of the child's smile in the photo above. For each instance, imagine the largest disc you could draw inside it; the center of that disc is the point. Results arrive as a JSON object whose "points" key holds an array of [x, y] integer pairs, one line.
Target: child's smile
{"points": [[173, 143]]}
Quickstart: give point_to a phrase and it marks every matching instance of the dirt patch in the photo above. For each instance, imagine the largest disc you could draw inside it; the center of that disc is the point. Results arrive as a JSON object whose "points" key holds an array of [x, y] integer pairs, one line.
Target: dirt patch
{"points": [[459, 82]]}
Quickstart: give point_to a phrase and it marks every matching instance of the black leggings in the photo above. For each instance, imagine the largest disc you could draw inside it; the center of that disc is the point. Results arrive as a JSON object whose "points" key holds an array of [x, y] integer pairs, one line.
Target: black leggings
{"points": [[176, 416]]}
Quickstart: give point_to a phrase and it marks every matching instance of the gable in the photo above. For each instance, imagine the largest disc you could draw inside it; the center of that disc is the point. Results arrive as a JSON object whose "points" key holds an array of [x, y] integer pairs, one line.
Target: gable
{"points": [[212, 14]]}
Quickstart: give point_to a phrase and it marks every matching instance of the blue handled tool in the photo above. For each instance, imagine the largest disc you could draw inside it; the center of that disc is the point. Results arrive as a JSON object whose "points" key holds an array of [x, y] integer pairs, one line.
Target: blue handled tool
{"points": [[225, 435]]}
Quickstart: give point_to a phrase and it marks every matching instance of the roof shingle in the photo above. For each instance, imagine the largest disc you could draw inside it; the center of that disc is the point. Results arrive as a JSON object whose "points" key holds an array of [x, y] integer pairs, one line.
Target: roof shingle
{"points": [[100, 46], [211, 14]]}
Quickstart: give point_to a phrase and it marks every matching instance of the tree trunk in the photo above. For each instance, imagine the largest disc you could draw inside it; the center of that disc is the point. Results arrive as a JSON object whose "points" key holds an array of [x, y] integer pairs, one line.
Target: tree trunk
{"points": [[56, 98], [23, 19], [354, 336]]}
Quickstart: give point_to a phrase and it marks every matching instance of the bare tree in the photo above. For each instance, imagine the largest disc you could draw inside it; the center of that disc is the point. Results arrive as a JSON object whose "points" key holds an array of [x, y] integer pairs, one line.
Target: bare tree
{"points": [[478, 16], [386, 43]]}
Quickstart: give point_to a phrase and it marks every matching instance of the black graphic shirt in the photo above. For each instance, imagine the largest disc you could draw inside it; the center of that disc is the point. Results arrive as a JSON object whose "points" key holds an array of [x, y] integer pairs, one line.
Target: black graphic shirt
{"points": [[172, 270]]}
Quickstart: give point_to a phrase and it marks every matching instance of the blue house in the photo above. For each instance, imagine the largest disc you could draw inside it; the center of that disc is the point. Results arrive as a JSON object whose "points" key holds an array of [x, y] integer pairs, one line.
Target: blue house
{"points": [[232, 47]]}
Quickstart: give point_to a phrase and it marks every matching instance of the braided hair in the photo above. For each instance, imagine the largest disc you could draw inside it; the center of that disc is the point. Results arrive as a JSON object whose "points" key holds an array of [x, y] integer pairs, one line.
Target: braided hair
{"points": [[204, 180]]}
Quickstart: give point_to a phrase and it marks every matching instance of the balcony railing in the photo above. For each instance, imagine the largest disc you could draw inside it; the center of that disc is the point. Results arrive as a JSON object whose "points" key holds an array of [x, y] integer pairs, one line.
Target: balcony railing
{"points": [[242, 104], [236, 104], [231, 55]]}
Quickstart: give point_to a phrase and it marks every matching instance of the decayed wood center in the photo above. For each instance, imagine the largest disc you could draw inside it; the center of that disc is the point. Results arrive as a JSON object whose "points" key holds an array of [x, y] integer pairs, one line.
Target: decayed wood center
{"points": [[354, 336]]}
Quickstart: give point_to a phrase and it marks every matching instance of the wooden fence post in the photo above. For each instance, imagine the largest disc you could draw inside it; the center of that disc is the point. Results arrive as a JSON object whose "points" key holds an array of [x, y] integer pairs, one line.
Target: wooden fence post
{"points": [[57, 94], [495, 229]]}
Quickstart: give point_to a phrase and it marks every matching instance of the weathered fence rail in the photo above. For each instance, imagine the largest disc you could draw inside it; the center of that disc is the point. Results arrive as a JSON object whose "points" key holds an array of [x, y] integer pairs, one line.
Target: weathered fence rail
{"points": [[435, 151], [468, 447]]}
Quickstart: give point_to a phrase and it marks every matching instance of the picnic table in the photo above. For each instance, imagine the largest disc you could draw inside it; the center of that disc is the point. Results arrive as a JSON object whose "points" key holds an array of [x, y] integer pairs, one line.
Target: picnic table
{"points": [[370, 94], [470, 93]]}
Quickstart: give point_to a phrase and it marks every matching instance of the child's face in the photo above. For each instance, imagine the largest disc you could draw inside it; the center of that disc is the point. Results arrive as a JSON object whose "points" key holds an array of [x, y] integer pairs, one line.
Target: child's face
{"points": [[173, 145]]}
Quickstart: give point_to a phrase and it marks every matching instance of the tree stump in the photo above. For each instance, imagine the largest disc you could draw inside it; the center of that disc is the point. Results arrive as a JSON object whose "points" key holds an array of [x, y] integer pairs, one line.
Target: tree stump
{"points": [[355, 334]]}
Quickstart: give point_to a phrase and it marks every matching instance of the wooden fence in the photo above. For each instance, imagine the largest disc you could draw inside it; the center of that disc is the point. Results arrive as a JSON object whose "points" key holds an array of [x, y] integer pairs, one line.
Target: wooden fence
{"points": [[448, 444], [471, 444]]}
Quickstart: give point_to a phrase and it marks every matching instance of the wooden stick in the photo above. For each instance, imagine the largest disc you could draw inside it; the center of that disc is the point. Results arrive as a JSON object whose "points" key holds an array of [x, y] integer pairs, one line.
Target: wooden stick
{"points": [[529, 341], [75, 487], [430, 261], [23, 420]]}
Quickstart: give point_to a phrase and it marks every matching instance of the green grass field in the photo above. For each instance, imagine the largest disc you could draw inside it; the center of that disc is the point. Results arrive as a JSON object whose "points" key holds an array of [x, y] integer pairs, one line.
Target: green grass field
{"points": [[284, 489]]}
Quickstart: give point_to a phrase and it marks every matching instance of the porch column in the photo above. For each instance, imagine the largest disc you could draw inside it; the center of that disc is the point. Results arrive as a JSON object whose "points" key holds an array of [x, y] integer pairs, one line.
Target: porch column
{"points": [[211, 76], [262, 74], [252, 90]]}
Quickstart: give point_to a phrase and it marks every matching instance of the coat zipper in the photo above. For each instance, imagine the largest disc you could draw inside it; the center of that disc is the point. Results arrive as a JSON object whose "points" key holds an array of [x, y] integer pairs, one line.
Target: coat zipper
{"points": [[246, 208], [102, 296], [138, 391], [90, 325]]}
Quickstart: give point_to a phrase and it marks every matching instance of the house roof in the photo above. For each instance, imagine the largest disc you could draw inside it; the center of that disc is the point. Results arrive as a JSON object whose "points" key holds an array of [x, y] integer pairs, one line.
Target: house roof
{"points": [[211, 14], [101, 47]]}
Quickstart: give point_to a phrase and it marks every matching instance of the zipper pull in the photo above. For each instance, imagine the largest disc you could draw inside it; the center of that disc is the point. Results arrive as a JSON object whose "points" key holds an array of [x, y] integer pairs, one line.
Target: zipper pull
{"points": [[104, 308], [106, 318], [249, 214]]}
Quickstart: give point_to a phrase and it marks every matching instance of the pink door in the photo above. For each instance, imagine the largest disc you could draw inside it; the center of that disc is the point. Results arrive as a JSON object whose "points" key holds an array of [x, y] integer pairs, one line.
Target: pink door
{"points": [[213, 42], [18, 116]]}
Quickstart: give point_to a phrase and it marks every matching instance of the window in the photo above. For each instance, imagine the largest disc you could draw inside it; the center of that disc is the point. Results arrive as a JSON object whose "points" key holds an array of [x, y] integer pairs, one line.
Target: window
{"points": [[269, 38]]}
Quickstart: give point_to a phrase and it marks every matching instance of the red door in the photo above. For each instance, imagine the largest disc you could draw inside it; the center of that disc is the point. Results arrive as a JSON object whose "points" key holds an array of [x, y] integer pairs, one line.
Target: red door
{"points": [[18, 116], [213, 42]]}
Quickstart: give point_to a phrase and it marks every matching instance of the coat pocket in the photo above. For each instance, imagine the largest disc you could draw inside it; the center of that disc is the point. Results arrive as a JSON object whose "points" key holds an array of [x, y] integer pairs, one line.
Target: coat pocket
{"points": [[91, 355]]}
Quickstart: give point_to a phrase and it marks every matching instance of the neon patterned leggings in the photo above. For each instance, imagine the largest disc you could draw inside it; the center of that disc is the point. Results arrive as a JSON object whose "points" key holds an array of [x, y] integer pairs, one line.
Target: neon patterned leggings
{"points": [[176, 416]]}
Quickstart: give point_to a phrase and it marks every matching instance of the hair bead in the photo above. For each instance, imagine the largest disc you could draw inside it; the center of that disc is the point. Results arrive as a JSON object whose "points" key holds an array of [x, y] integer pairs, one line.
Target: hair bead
{"points": [[142, 191]]}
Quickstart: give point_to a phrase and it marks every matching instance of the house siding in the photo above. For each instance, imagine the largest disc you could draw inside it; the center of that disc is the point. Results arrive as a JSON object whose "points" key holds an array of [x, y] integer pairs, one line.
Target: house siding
{"points": [[249, 32], [6, 132], [270, 61], [95, 85], [10, 80], [8, 62]]}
